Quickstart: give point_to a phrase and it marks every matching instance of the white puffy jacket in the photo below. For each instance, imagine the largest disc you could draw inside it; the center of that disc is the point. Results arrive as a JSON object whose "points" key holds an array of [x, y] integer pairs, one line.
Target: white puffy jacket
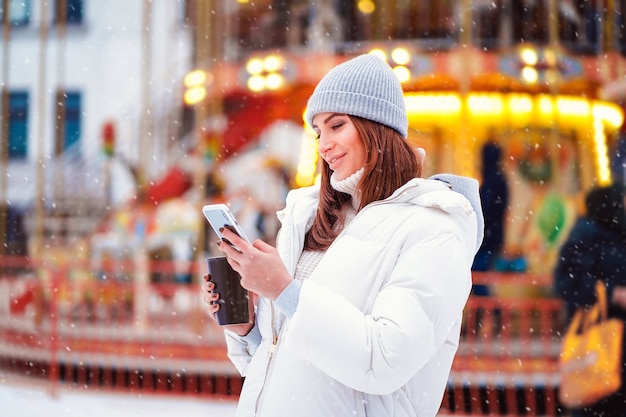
{"points": [[377, 323]]}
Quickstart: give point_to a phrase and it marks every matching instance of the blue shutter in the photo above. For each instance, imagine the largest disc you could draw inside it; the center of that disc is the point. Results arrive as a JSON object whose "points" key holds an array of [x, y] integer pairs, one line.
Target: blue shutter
{"points": [[72, 119], [18, 124]]}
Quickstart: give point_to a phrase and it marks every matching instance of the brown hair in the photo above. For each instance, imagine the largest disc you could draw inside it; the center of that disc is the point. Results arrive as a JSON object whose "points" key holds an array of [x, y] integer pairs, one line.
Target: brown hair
{"points": [[390, 163]]}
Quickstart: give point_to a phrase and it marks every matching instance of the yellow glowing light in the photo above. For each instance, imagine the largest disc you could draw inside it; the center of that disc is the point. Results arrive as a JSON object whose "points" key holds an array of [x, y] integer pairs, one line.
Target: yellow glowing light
{"points": [[426, 104], [546, 106], [195, 78], [194, 95], [274, 81], [530, 75], [603, 170], [254, 66], [402, 73], [366, 6], [485, 104], [520, 104], [400, 56], [529, 56], [256, 83], [379, 53], [573, 106], [307, 165], [609, 113], [273, 63]]}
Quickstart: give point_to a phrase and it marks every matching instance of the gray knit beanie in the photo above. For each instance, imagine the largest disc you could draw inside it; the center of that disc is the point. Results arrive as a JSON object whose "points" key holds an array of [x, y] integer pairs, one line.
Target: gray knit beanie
{"points": [[364, 86]]}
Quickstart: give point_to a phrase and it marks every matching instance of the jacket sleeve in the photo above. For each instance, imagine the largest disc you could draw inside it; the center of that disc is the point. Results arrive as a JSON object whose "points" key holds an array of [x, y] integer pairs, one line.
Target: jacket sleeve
{"points": [[241, 348], [417, 311]]}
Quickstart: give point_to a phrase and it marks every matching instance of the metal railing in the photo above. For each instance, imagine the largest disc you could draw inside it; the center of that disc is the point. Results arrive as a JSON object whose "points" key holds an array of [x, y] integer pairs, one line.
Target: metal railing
{"points": [[71, 324]]}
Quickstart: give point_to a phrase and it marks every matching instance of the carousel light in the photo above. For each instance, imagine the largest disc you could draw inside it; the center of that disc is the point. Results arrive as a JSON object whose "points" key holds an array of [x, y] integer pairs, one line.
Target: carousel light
{"points": [[610, 114], [196, 82], [401, 56], [603, 170], [605, 116], [430, 104], [529, 56], [195, 77], [486, 104], [520, 104], [265, 73], [256, 83], [274, 81], [546, 106], [366, 6], [379, 53], [194, 95], [273, 63], [573, 106], [254, 66], [402, 73], [530, 75]]}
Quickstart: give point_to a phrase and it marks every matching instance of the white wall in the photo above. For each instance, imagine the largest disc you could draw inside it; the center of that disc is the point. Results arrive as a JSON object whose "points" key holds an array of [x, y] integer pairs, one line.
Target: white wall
{"points": [[102, 59]]}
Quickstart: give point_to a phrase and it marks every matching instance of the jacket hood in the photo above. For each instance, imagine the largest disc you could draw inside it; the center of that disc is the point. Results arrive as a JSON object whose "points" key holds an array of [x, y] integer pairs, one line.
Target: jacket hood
{"points": [[468, 188]]}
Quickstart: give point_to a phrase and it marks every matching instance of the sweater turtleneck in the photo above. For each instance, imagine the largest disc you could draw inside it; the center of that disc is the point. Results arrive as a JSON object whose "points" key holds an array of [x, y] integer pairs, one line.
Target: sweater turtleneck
{"points": [[348, 186]]}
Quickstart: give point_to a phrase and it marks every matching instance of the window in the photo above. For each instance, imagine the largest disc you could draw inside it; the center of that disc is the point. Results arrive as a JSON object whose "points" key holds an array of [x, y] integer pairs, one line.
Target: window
{"points": [[73, 10], [18, 124], [72, 101], [68, 120], [19, 12]]}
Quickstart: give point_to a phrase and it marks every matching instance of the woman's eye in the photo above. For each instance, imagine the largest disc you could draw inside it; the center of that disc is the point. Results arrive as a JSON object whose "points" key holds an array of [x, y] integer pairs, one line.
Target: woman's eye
{"points": [[337, 125]]}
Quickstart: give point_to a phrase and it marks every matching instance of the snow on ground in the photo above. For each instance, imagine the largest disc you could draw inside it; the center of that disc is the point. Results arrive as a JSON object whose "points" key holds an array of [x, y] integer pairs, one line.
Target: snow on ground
{"points": [[24, 399]]}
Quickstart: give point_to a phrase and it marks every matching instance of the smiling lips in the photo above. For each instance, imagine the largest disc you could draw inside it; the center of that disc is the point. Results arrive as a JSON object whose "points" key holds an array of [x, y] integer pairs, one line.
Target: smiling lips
{"points": [[333, 159]]}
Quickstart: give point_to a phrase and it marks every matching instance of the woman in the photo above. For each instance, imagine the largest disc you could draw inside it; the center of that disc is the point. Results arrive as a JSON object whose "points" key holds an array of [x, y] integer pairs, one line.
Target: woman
{"points": [[360, 303], [596, 250]]}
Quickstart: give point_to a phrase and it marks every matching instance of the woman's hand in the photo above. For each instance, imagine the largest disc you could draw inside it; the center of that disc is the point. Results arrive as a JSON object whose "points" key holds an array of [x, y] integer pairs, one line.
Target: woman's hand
{"points": [[261, 269], [210, 299]]}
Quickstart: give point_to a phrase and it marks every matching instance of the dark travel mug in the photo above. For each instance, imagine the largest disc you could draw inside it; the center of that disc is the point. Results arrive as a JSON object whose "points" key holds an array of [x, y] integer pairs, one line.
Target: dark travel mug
{"points": [[233, 298]]}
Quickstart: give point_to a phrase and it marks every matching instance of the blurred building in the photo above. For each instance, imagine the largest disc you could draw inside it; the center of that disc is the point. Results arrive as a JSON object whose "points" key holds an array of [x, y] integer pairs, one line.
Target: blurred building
{"points": [[77, 74]]}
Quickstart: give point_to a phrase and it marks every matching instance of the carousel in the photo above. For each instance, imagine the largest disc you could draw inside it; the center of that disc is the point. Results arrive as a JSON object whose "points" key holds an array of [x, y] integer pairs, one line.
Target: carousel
{"points": [[538, 111]]}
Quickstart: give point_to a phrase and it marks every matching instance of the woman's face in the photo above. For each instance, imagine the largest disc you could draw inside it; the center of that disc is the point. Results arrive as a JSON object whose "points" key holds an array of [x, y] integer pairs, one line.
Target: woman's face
{"points": [[339, 143]]}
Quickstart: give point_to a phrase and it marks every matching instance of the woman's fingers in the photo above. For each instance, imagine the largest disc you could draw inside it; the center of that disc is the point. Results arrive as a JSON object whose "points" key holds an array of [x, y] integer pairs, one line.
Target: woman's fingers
{"points": [[209, 297], [232, 239], [208, 286]]}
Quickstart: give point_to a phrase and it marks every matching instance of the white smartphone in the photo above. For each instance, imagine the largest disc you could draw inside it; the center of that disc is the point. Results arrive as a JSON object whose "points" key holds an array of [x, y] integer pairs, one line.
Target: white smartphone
{"points": [[219, 215]]}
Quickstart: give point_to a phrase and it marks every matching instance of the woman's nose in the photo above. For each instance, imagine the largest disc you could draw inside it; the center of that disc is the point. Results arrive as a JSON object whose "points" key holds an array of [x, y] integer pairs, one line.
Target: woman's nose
{"points": [[324, 147]]}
